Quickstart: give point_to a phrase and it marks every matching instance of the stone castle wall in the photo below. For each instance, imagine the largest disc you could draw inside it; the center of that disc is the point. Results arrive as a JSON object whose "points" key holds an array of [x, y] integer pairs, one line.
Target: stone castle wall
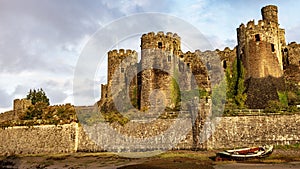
{"points": [[38, 139], [162, 61], [230, 132], [292, 54], [242, 131], [292, 63], [21, 104], [227, 56]]}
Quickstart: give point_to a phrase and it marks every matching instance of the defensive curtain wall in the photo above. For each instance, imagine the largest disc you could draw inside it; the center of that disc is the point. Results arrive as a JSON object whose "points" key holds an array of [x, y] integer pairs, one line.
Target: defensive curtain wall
{"points": [[229, 132]]}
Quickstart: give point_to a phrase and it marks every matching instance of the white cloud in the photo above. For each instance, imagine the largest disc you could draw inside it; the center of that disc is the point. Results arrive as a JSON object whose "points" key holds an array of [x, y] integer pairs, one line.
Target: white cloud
{"points": [[42, 40]]}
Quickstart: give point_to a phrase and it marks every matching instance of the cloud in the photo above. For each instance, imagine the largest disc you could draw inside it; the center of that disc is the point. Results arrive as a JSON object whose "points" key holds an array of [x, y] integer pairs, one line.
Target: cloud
{"points": [[37, 30], [292, 34], [42, 40], [6, 99]]}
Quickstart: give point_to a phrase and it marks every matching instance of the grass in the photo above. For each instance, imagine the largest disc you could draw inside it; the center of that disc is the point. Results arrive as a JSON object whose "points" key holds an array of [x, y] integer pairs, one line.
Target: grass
{"points": [[95, 154], [186, 154], [288, 147]]}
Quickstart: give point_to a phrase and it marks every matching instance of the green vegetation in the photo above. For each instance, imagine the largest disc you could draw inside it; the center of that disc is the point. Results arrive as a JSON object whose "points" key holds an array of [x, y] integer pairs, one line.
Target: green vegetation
{"points": [[175, 93], [35, 111], [191, 94], [275, 106], [235, 92], [286, 103], [112, 117], [40, 113], [134, 99], [293, 97], [283, 98], [186, 154], [288, 147], [218, 98], [88, 117], [293, 93], [37, 96]]}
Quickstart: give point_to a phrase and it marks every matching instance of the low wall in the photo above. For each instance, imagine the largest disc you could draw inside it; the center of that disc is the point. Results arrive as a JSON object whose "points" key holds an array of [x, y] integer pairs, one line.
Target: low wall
{"points": [[238, 131], [38, 139], [158, 134], [242, 131]]}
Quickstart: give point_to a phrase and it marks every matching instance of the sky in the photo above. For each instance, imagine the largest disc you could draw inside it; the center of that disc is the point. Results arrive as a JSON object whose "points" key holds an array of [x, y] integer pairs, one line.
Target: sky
{"points": [[41, 40]]}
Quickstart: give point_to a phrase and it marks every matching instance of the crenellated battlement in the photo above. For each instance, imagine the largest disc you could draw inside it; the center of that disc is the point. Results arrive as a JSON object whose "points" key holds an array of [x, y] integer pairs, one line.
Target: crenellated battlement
{"points": [[160, 40], [160, 34], [261, 25], [21, 104], [121, 53], [260, 48]]}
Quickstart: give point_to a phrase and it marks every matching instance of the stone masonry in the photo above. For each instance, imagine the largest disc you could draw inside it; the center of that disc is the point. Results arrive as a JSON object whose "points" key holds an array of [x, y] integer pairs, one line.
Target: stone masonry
{"points": [[261, 48], [227, 133]]}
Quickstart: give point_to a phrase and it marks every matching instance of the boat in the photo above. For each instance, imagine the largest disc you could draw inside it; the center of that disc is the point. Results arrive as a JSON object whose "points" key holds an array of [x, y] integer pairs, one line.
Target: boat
{"points": [[245, 153]]}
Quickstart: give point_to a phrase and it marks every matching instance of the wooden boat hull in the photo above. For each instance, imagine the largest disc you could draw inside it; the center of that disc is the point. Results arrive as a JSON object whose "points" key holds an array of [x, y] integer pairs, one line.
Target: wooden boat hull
{"points": [[245, 153]]}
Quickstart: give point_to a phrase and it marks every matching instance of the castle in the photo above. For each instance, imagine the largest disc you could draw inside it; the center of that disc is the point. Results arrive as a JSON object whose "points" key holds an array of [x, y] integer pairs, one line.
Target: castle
{"points": [[162, 65], [164, 69], [261, 49]]}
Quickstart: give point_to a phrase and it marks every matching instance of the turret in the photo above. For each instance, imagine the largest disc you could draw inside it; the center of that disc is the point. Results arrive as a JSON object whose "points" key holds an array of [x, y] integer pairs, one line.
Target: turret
{"points": [[259, 45], [260, 51], [270, 13], [115, 58], [158, 59], [168, 41]]}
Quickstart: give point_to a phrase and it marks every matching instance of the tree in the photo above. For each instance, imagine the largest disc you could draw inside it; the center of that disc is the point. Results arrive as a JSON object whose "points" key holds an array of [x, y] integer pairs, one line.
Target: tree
{"points": [[241, 96], [235, 92], [37, 96]]}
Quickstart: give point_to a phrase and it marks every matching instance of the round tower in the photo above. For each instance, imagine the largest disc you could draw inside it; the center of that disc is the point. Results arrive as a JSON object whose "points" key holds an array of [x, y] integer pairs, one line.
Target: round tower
{"points": [[117, 68], [158, 57], [270, 13], [260, 50]]}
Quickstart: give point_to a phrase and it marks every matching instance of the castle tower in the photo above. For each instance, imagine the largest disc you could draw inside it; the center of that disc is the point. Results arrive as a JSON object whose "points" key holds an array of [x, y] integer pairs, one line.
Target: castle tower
{"points": [[158, 53], [270, 13], [260, 46], [260, 50], [21, 104], [118, 70]]}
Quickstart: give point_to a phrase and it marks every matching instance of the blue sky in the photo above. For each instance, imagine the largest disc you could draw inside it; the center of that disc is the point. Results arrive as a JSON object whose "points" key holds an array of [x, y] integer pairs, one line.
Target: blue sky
{"points": [[41, 40]]}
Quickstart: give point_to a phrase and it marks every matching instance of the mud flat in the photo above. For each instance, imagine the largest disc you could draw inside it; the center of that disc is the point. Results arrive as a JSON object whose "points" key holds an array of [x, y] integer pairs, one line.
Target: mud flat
{"points": [[290, 165], [280, 158]]}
